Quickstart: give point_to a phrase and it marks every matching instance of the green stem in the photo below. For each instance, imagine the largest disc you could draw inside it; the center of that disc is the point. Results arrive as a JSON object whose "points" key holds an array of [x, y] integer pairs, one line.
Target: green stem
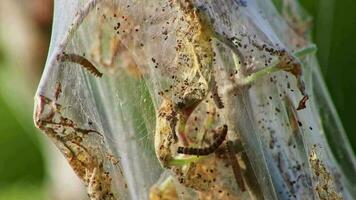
{"points": [[305, 51], [274, 67], [255, 76], [179, 162]]}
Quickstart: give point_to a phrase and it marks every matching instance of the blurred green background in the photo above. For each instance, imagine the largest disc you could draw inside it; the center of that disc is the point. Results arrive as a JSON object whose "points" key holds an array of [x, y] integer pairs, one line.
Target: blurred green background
{"points": [[22, 166]]}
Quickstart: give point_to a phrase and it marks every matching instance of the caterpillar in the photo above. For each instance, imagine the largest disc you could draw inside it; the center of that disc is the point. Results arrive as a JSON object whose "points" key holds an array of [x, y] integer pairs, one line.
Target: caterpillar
{"points": [[235, 165], [207, 150], [81, 61], [215, 95]]}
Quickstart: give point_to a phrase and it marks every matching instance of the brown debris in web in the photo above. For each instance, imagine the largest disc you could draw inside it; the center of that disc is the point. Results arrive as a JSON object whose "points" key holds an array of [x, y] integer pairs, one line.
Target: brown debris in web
{"points": [[243, 45], [165, 192], [115, 41], [325, 184], [203, 176], [85, 158], [212, 178], [198, 176], [302, 103], [290, 64]]}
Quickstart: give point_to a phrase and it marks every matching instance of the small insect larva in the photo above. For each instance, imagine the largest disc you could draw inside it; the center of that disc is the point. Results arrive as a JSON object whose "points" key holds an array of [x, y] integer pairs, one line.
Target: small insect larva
{"points": [[81, 61], [207, 150], [235, 165], [58, 91], [215, 95]]}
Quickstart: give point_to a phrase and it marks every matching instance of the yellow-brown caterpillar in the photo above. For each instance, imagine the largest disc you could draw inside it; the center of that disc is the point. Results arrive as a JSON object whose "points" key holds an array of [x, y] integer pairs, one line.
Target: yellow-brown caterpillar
{"points": [[85, 63]]}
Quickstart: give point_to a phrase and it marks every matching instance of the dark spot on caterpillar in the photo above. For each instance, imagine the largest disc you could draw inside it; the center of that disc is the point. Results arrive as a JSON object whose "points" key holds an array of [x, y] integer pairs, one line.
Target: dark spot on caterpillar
{"points": [[207, 150], [81, 61]]}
